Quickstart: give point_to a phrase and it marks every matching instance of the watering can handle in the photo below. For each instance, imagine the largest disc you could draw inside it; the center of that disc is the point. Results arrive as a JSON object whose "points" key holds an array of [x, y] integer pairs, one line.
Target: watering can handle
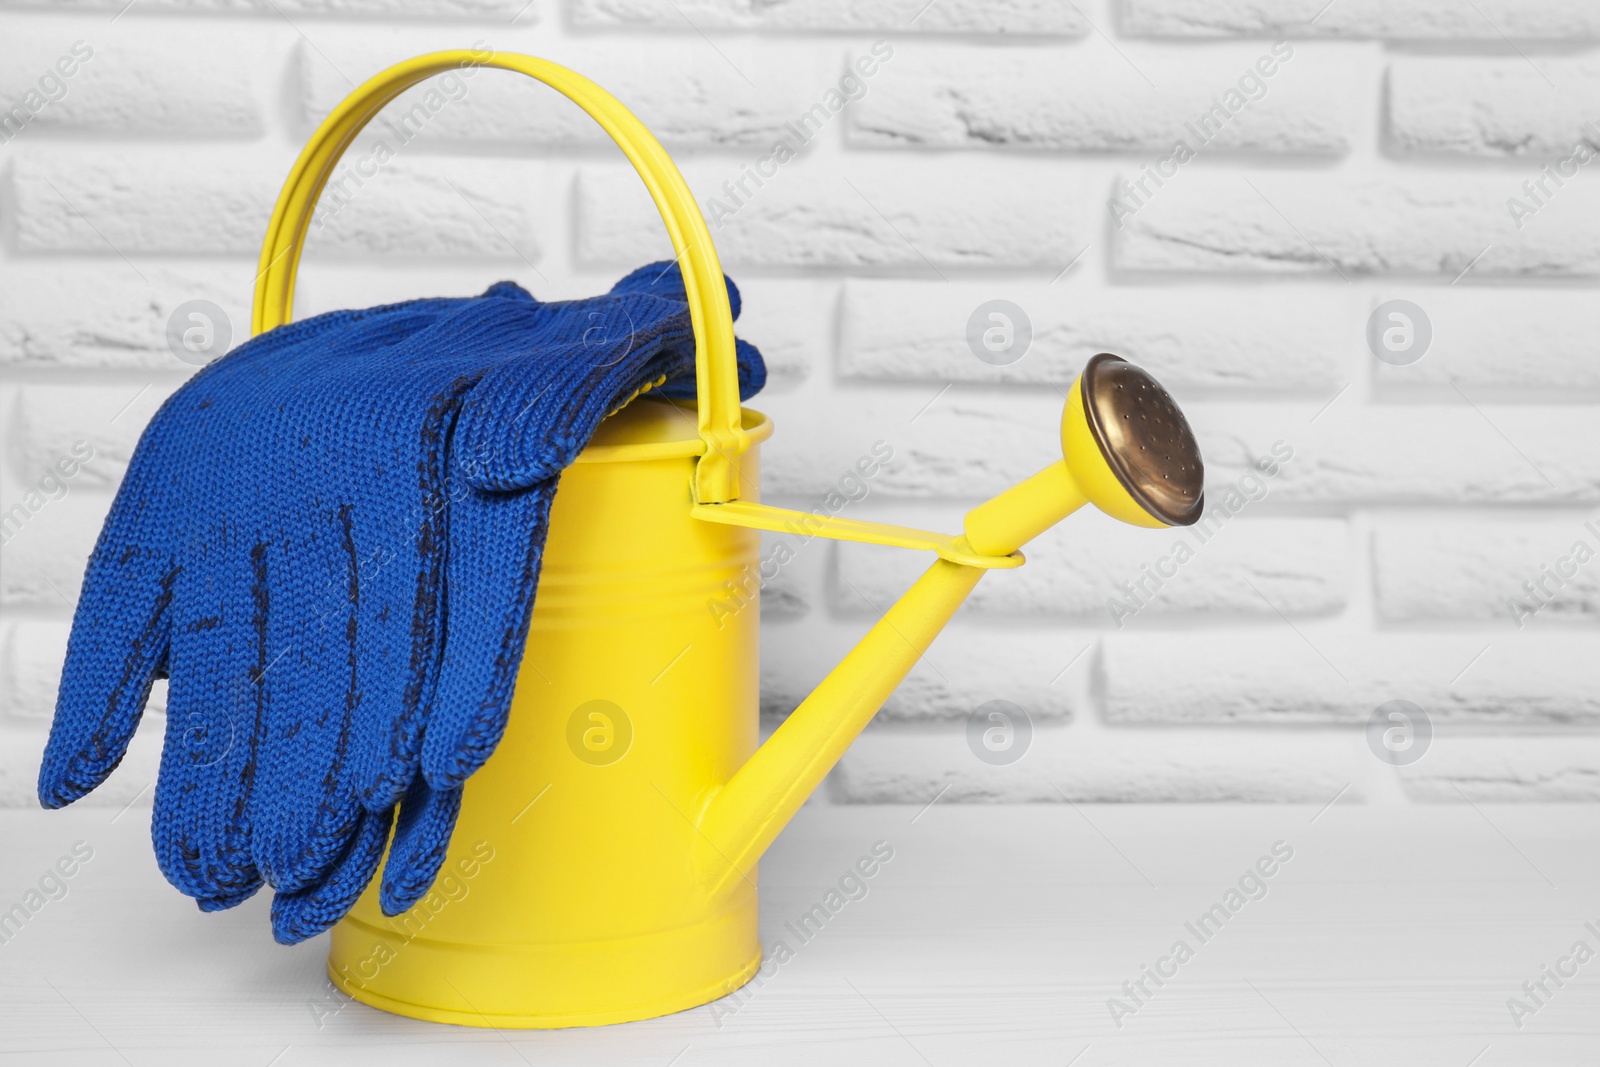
{"points": [[719, 418]]}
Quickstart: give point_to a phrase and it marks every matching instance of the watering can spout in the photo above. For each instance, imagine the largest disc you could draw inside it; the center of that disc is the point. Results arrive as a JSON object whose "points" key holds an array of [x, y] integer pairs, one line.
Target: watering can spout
{"points": [[1127, 449]]}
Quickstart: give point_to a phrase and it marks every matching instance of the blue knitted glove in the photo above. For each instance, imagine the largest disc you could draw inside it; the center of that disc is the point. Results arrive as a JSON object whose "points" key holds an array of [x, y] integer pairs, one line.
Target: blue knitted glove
{"points": [[285, 546], [177, 585]]}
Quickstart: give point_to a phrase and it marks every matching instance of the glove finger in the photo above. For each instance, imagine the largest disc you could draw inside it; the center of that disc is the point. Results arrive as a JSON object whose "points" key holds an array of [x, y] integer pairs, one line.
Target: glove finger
{"points": [[402, 625], [246, 891], [497, 546], [117, 648], [215, 710], [304, 807], [299, 916], [421, 838], [120, 629]]}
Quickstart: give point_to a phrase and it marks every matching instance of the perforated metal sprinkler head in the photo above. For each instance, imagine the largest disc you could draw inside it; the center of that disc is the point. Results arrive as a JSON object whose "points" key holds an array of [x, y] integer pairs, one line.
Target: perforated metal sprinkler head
{"points": [[1142, 437], [1127, 450]]}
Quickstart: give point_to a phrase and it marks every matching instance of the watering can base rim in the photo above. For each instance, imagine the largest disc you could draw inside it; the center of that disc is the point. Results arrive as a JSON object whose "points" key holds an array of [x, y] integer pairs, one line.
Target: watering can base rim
{"points": [[560, 1021]]}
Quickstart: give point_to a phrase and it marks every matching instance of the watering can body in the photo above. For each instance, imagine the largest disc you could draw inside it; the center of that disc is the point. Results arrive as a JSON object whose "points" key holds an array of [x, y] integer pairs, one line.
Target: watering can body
{"points": [[571, 895]]}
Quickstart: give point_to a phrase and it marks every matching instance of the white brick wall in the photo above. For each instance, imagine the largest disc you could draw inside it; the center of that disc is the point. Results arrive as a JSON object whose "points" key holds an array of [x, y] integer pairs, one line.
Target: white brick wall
{"points": [[1383, 157]]}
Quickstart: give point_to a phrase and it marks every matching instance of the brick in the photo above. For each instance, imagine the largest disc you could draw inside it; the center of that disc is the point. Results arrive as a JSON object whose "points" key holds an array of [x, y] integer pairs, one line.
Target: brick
{"points": [[1196, 337], [901, 766], [683, 99], [791, 322], [436, 208], [109, 419], [174, 80], [1538, 768], [45, 324], [1254, 567], [147, 200], [409, 10], [1031, 17], [952, 96], [1439, 226], [813, 213], [1482, 20], [41, 563], [150, 201], [1444, 454], [33, 653], [1326, 674], [1477, 569], [1497, 343], [1491, 106], [433, 207], [966, 666], [961, 443]]}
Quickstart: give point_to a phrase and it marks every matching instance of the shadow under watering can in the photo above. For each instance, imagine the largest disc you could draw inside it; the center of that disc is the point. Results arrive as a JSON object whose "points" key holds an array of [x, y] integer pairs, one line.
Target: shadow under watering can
{"points": [[603, 867]]}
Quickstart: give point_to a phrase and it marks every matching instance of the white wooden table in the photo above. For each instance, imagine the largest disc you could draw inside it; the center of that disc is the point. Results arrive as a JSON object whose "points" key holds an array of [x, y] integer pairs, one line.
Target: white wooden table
{"points": [[995, 935]]}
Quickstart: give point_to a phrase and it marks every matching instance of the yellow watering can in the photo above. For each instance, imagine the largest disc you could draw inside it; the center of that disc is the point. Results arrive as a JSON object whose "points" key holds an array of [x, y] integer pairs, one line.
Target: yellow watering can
{"points": [[603, 867]]}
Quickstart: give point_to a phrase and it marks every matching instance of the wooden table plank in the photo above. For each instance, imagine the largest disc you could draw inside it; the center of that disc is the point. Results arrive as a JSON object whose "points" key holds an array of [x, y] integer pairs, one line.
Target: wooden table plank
{"points": [[997, 934]]}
